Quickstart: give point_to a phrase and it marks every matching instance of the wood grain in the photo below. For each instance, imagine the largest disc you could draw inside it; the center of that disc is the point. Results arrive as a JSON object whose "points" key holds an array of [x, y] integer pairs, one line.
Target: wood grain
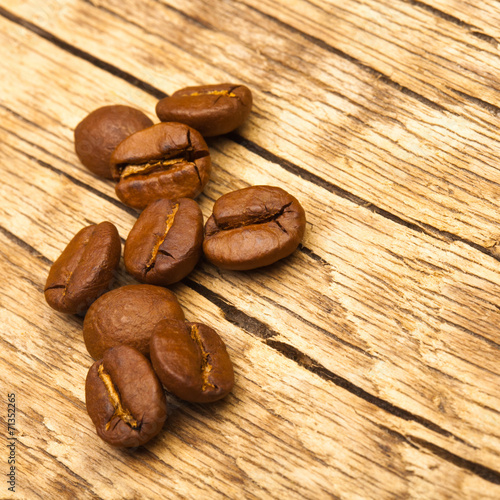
{"points": [[394, 148], [367, 362], [483, 20], [259, 442]]}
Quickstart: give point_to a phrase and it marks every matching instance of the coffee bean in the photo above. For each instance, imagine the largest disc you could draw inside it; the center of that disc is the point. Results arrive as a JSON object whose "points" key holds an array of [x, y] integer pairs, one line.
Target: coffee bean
{"points": [[84, 270], [253, 227], [165, 243], [128, 316], [210, 109], [191, 361], [124, 398], [98, 134], [167, 160]]}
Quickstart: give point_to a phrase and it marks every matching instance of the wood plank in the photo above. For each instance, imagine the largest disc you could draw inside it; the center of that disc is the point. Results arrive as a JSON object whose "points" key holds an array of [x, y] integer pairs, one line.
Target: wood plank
{"points": [[455, 401], [366, 362], [412, 46], [227, 449], [482, 19], [343, 324], [410, 158]]}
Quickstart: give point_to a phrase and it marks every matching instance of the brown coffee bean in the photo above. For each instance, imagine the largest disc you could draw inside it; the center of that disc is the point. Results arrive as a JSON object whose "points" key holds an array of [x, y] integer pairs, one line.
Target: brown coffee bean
{"points": [[210, 109], [167, 160], [98, 134], [165, 243], [253, 227], [84, 270], [124, 398], [128, 316], [191, 361]]}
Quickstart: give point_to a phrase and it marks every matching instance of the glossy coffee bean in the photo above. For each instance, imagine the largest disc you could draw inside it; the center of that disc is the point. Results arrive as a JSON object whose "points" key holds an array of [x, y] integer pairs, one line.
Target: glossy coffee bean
{"points": [[210, 109], [191, 361], [98, 134], [124, 398], [84, 270], [167, 160], [128, 316], [253, 227], [165, 243]]}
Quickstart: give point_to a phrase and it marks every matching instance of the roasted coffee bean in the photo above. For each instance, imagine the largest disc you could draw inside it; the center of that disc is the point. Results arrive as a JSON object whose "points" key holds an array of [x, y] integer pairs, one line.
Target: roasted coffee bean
{"points": [[191, 361], [84, 270], [98, 134], [253, 227], [124, 398], [167, 160], [128, 316], [210, 109], [165, 243]]}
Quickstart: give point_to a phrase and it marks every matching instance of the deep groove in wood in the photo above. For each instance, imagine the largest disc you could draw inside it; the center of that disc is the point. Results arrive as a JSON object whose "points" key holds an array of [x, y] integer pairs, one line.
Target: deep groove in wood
{"points": [[78, 182], [253, 325], [262, 331], [231, 313], [256, 327], [21, 243], [474, 30], [110, 68], [252, 146], [482, 471], [314, 256], [492, 108], [313, 366], [344, 55]]}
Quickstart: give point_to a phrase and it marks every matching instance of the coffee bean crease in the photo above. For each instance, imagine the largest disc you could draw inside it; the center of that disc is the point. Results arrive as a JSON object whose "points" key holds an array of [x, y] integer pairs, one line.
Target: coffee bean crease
{"points": [[266, 217], [206, 366], [156, 249], [114, 397], [220, 93]]}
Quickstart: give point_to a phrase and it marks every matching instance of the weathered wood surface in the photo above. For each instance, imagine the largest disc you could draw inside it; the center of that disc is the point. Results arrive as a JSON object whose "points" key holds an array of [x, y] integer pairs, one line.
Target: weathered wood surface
{"points": [[367, 362]]}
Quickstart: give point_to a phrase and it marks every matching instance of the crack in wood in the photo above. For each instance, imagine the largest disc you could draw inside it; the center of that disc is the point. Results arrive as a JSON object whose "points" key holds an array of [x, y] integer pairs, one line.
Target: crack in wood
{"points": [[382, 77], [233, 314], [250, 145], [110, 68], [313, 366], [474, 30], [482, 471], [264, 332], [491, 108], [74, 180], [21, 243]]}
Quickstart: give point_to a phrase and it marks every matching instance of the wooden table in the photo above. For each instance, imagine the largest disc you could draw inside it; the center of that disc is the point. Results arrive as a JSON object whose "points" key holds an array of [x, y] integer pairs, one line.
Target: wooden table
{"points": [[367, 363]]}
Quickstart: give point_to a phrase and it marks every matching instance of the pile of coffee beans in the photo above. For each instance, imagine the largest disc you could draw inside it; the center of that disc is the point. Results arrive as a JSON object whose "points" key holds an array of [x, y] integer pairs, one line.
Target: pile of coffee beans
{"points": [[138, 333]]}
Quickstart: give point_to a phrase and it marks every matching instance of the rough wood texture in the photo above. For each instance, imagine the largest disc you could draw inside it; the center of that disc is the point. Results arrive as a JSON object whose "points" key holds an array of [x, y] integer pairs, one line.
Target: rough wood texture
{"points": [[367, 362]]}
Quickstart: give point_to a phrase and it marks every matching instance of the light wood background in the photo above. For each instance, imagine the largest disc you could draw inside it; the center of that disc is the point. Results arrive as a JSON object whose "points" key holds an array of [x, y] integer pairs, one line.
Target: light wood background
{"points": [[367, 363]]}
